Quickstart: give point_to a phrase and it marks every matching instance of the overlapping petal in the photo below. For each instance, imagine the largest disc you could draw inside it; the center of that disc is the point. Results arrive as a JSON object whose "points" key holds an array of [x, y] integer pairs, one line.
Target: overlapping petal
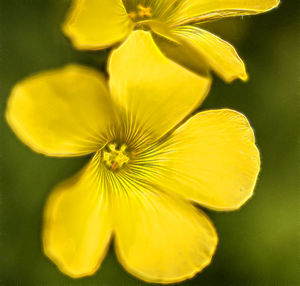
{"points": [[206, 10], [78, 226], [165, 92], [160, 238], [63, 112], [216, 53], [94, 24], [211, 159]]}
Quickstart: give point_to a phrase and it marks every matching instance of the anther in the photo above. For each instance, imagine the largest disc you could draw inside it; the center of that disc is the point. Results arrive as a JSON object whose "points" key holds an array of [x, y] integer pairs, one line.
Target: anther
{"points": [[144, 11], [141, 13], [115, 156], [132, 15]]}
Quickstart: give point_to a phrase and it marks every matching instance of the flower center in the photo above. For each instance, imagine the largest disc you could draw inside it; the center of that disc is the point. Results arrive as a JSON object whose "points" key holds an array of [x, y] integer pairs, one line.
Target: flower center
{"points": [[115, 156], [141, 13]]}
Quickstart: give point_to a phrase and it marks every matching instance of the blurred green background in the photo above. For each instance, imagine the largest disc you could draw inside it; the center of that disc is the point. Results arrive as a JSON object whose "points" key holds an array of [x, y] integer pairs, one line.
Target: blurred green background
{"points": [[259, 244]]}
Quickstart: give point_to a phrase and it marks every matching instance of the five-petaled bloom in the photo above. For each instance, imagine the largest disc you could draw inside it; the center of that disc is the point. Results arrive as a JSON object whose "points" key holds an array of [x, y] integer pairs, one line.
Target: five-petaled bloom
{"points": [[94, 24], [150, 162]]}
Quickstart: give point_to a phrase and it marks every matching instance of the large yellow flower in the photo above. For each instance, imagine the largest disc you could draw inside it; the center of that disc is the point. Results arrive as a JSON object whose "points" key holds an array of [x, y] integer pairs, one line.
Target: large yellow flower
{"points": [[94, 24], [149, 162]]}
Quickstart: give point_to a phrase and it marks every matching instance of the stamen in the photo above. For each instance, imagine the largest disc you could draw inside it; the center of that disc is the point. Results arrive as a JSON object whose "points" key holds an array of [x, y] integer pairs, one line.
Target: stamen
{"points": [[141, 13], [144, 11], [132, 15], [115, 156]]}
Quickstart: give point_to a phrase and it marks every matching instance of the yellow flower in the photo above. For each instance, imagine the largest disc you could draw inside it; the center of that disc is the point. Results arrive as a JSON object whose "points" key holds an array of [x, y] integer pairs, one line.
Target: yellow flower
{"points": [[94, 24], [149, 164]]}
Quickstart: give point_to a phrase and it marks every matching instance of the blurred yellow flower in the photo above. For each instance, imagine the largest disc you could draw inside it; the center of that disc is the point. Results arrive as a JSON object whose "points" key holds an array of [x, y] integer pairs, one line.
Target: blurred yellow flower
{"points": [[149, 164], [94, 24]]}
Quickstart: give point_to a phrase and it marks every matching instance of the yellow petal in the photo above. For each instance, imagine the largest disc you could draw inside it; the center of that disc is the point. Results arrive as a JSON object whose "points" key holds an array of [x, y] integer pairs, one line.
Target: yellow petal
{"points": [[212, 160], [216, 53], [62, 112], [204, 10], [155, 92], [94, 24], [160, 238], [77, 224]]}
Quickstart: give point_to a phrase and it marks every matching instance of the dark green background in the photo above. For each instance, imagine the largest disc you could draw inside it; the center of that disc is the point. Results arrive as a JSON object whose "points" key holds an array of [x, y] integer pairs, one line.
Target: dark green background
{"points": [[259, 244]]}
